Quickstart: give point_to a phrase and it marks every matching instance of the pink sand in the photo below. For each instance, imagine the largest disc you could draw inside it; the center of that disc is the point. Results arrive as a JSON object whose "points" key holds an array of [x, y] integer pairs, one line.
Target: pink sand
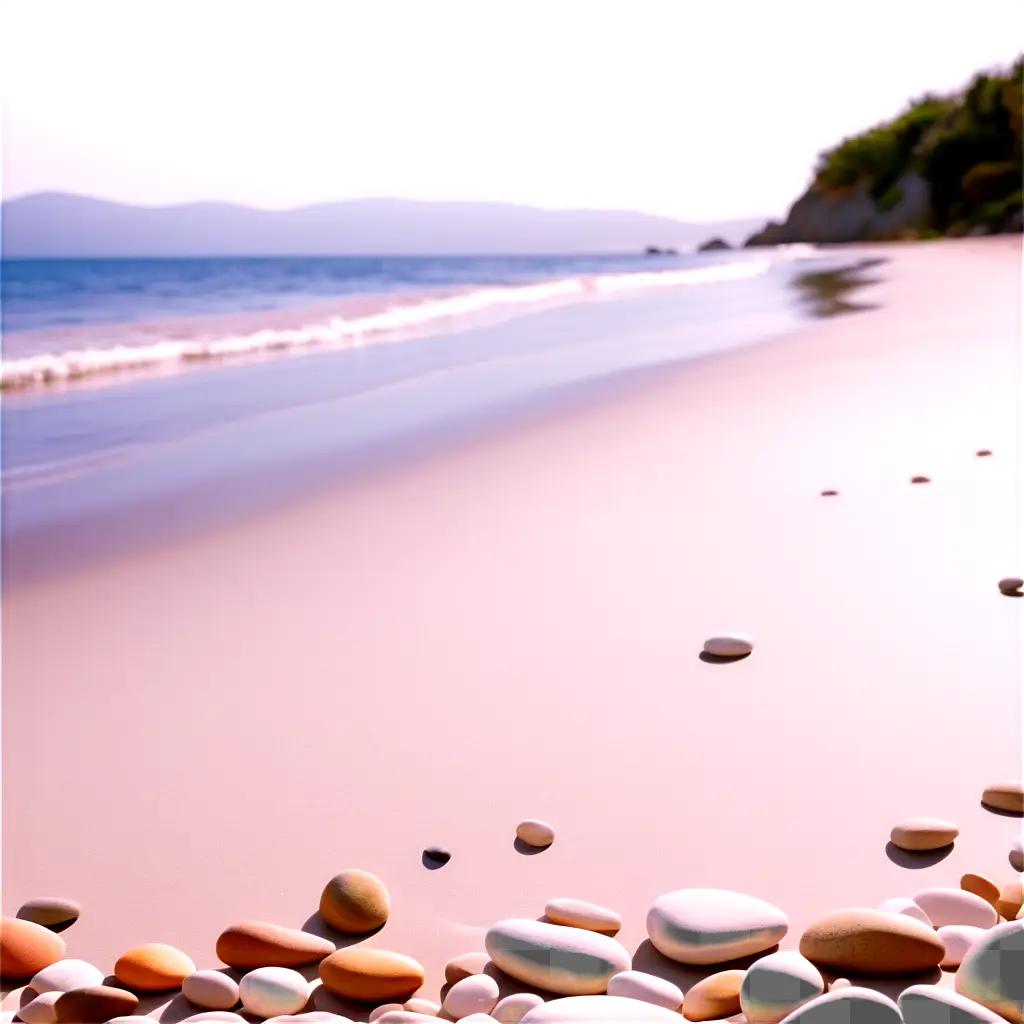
{"points": [[207, 732]]}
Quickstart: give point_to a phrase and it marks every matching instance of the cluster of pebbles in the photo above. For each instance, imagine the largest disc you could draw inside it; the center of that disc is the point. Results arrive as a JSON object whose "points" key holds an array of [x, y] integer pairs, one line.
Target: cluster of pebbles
{"points": [[571, 962]]}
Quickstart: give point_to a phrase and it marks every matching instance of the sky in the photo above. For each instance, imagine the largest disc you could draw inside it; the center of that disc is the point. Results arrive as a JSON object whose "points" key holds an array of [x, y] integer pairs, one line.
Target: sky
{"points": [[697, 109]]}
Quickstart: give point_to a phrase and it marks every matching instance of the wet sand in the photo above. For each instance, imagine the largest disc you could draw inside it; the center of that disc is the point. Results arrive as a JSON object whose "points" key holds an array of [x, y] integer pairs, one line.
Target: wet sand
{"points": [[208, 731]]}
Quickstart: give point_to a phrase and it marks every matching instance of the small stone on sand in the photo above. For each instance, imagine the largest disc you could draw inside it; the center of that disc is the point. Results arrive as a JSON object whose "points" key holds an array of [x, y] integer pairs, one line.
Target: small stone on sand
{"points": [[51, 912], [582, 914], [512, 1009], [355, 902], [95, 1004], [26, 948], [1005, 796], [212, 990], [774, 986], [955, 906], [715, 997], [1011, 586], [991, 972], [464, 965], [871, 942], [905, 905], [981, 886], [536, 833], [1017, 855], [983, 452], [958, 939], [919, 834], [371, 975], [259, 944], [65, 975], [648, 988], [154, 967], [920, 480], [729, 645], [271, 991], [477, 994]]}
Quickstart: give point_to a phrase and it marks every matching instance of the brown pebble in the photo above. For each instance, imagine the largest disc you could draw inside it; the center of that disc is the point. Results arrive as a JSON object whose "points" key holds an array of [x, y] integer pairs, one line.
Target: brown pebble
{"points": [[871, 942], [154, 967], [715, 997], [981, 886], [371, 975], [51, 912], [95, 1004], [920, 480], [1005, 796], [259, 944], [1010, 586], [26, 948], [983, 452], [464, 966], [355, 902], [829, 494], [1010, 900]]}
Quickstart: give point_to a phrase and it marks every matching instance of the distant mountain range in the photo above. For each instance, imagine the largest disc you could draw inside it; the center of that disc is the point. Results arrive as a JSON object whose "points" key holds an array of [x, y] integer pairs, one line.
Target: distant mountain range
{"points": [[60, 224]]}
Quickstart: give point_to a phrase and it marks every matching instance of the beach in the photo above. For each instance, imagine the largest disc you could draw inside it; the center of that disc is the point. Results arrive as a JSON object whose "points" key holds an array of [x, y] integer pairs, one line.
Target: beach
{"points": [[206, 729]]}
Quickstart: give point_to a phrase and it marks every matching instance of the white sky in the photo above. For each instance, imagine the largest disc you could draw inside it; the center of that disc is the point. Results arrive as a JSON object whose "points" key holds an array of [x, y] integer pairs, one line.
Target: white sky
{"points": [[700, 109]]}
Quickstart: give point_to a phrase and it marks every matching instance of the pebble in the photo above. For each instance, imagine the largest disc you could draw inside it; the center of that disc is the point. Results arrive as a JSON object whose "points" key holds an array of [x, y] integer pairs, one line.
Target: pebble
{"points": [[65, 975], [1005, 796], [1011, 586], [464, 965], [215, 1016], [648, 988], [715, 997], [981, 886], [709, 926], [437, 854], [355, 902], [133, 1020], [829, 493], [1017, 855], [26, 948], [154, 967], [478, 994], [774, 986], [992, 973], [593, 1009], [850, 1005], [512, 1009], [569, 961], [920, 480], [535, 833], [95, 1004], [871, 942], [905, 905], [426, 1006], [929, 1004], [212, 990], [402, 1016], [377, 1012], [258, 944], [371, 975], [917, 834], [729, 645], [955, 906], [581, 914], [40, 1010], [958, 939], [51, 912], [312, 1017], [1010, 899], [983, 452], [269, 991]]}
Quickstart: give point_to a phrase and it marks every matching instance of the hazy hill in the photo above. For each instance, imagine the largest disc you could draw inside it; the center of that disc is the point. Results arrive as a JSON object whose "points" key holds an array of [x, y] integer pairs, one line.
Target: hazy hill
{"points": [[59, 224]]}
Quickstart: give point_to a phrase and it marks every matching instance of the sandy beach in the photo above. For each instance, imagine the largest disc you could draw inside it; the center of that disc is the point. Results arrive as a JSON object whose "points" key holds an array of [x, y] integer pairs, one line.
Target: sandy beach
{"points": [[510, 628]]}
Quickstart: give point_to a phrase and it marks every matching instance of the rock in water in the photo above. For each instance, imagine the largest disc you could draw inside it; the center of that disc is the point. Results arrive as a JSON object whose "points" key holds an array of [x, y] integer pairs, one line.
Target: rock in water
{"points": [[355, 902], [535, 833], [65, 975], [955, 906], [729, 645], [569, 961], [710, 926], [581, 914], [212, 990], [848, 1005], [715, 997], [992, 973], [26, 948], [51, 912], [477, 994], [774, 986], [917, 834], [371, 975], [905, 905], [981, 886], [1011, 586], [154, 967], [269, 991], [598, 1010], [94, 1004], [871, 942], [258, 944], [646, 987], [464, 965], [512, 1009], [929, 1004], [958, 939], [1005, 796]]}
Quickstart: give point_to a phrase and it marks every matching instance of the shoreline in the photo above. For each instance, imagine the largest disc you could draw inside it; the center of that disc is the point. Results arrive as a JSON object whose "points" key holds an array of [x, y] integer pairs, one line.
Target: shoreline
{"points": [[520, 620]]}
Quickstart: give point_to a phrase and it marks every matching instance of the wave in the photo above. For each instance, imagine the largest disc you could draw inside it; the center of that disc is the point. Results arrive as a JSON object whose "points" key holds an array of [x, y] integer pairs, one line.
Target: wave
{"points": [[387, 323]]}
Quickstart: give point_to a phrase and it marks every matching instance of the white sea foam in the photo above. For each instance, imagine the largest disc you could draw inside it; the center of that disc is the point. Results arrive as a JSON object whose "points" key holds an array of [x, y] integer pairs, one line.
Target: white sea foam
{"points": [[365, 328]]}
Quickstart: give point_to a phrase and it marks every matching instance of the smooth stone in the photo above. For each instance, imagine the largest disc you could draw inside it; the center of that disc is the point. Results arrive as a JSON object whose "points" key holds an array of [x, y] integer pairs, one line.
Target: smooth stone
{"points": [[715, 997], [215, 1017], [311, 1017], [95, 1004], [132, 1020], [355, 902], [464, 965], [1005, 796], [983, 452], [729, 645], [425, 1006], [479, 1018], [648, 988], [212, 990], [51, 912], [929, 1004], [153, 967], [26, 948], [378, 1011], [65, 975], [371, 975], [590, 1009], [920, 480], [955, 906], [981, 886], [271, 991], [569, 961], [709, 926], [535, 833], [1010, 900], [840, 983], [774, 986], [403, 1016], [993, 972], [437, 854], [918, 834], [871, 942], [1017, 855], [40, 1010], [905, 905], [478, 994], [849, 1005], [258, 944], [958, 939], [1011, 586], [581, 914], [512, 1009]]}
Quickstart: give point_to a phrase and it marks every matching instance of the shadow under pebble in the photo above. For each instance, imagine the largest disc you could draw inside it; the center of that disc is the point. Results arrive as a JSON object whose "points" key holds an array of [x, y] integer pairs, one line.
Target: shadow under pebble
{"points": [[915, 859]]}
